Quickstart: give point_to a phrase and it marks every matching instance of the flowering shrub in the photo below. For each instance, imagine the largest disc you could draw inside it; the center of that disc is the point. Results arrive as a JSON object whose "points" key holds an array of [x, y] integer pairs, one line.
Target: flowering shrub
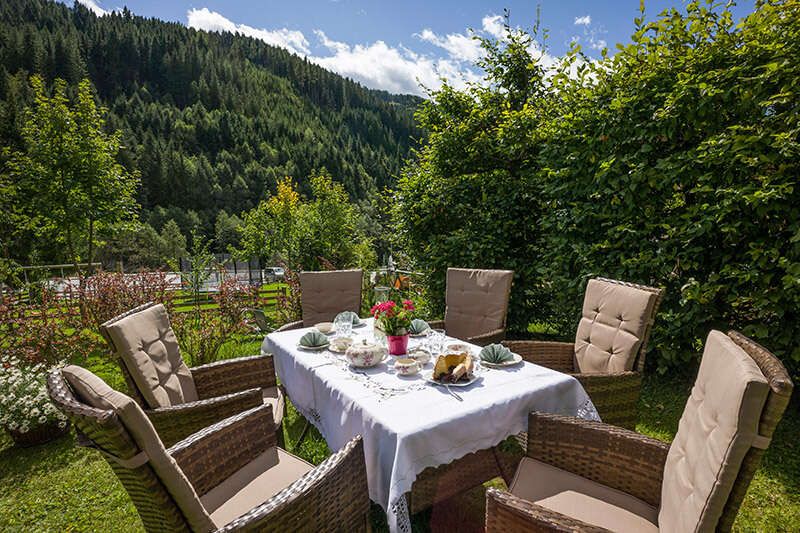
{"points": [[24, 402], [288, 308], [105, 295], [47, 331], [201, 333], [392, 318]]}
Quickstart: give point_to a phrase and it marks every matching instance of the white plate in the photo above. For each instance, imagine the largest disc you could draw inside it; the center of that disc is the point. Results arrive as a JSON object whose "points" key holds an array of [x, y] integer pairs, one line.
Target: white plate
{"points": [[418, 335], [428, 376], [516, 360], [312, 348], [334, 350]]}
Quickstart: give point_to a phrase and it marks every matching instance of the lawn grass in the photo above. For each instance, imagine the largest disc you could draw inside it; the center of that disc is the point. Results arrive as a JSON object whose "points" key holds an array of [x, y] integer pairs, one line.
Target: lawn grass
{"points": [[61, 487]]}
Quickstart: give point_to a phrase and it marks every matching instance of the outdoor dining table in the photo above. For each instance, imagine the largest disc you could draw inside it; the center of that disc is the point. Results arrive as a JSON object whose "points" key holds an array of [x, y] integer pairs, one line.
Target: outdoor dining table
{"points": [[407, 423]]}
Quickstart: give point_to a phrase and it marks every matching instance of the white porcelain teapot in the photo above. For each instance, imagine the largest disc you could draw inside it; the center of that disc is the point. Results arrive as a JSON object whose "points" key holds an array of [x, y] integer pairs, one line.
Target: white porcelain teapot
{"points": [[365, 354]]}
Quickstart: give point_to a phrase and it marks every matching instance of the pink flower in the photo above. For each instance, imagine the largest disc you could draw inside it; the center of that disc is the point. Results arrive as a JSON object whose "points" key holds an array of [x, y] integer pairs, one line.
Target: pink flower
{"points": [[408, 305]]}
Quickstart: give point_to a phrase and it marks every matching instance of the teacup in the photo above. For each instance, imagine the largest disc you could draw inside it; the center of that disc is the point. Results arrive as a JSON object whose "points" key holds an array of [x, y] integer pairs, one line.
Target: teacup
{"points": [[324, 327], [459, 347], [341, 344], [406, 366], [420, 355]]}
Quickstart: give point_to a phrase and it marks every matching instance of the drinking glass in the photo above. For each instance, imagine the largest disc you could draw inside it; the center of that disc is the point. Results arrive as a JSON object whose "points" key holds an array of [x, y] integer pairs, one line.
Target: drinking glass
{"points": [[344, 326], [435, 341]]}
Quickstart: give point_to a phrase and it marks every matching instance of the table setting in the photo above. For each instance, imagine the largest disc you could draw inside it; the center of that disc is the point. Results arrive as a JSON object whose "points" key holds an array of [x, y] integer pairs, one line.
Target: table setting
{"points": [[432, 401]]}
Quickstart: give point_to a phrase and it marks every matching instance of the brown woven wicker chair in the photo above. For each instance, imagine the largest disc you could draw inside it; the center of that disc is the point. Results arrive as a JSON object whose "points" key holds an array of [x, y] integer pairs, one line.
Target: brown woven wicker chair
{"points": [[230, 476], [608, 354], [588, 476], [325, 294], [476, 305], [179, 400]]}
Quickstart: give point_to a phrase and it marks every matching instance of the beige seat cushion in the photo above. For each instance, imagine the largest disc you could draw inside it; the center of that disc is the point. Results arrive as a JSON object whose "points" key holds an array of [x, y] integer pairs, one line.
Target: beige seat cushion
{"points": [[613, 323], [476, 301], [274, 397], [326, 294], [717, 428], [93, 391], [253, 484], [581, 498], [149, 349]]}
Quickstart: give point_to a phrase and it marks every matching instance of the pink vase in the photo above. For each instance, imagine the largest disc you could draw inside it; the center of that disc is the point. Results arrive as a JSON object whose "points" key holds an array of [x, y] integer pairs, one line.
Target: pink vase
{"points": [[398, 344]]}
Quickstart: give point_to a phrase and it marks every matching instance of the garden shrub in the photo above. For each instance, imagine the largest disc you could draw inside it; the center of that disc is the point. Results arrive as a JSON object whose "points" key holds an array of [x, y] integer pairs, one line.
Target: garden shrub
{"points": [[673, 163]]}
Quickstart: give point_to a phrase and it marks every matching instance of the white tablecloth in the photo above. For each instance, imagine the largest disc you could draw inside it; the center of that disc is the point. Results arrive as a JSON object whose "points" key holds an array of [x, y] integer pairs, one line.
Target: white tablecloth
{"points": [[408, 424]]}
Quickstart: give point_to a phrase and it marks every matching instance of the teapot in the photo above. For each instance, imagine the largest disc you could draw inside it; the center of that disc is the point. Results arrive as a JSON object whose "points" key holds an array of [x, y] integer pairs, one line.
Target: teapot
{"points": [[365, 354]]}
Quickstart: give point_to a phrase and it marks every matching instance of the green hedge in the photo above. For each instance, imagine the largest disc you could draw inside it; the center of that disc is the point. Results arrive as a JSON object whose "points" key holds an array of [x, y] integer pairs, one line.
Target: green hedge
{"points": [[673, 163]]}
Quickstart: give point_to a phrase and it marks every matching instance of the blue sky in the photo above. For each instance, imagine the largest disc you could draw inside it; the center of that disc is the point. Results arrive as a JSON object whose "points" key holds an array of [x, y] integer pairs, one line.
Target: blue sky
{"points": [[396, 45]]}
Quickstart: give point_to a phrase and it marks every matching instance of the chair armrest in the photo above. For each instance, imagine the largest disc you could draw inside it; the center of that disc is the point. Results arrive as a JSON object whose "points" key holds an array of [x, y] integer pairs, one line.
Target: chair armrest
{"points": [[291, 325], [558, 356], [506, 513], [215, 453], [616, 457], [234, 375], [436, 324], [179, 421], [489, 337], [332, 497]]}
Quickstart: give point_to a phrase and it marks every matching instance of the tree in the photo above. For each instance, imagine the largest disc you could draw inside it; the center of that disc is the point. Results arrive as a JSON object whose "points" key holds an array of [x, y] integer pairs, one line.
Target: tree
{"points": [[173, 241], [67, 173], [307, 233], [226, 231]]}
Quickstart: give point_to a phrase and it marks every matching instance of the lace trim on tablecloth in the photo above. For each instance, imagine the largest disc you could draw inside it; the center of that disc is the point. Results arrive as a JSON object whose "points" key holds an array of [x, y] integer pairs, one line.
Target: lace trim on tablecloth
{"points": [[587, 411], [399, 509], [385, 392]]}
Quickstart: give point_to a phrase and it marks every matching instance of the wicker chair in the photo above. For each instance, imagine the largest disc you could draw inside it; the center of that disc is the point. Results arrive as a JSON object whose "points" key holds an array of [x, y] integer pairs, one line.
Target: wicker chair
{"points": [[588, 476], [476, 305], [609, 352], [179, 400], [323, 295], [230, 476]]}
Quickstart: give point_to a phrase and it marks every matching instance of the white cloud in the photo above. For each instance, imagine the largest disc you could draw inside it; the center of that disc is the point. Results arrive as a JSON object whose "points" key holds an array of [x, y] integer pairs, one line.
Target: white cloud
{"points": [[394, 69], [494, 26], [204, 19], [95, 7], [598, 44], [460, 47], [583, 21]]}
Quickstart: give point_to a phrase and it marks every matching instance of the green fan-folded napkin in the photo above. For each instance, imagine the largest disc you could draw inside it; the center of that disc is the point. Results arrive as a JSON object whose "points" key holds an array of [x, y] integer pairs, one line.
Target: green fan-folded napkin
{"points": [[418, 326], [313, 339], [354, 318], [496, 353]]}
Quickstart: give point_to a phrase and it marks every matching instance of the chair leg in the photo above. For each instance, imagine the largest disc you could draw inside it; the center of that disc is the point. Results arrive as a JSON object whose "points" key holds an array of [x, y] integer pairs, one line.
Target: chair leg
{"points": [[280, 438], [302, 435]]}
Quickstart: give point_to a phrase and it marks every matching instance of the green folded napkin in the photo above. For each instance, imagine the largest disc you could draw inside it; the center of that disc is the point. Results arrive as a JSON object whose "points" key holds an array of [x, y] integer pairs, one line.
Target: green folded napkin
{"points": [[418, 326], [496, 353], [313, 339], [354, 318]]}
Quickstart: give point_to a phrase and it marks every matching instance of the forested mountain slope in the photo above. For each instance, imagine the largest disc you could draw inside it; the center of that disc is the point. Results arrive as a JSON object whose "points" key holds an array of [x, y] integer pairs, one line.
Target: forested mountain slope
{"points": [[211, 121]]}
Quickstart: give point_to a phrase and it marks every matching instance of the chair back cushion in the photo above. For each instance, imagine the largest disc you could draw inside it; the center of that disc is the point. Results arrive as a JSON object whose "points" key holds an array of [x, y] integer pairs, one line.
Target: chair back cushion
{"points": [[476, 301], [93, 391], [326, 294], [149, 350], [718, 426], [613, 323]]}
